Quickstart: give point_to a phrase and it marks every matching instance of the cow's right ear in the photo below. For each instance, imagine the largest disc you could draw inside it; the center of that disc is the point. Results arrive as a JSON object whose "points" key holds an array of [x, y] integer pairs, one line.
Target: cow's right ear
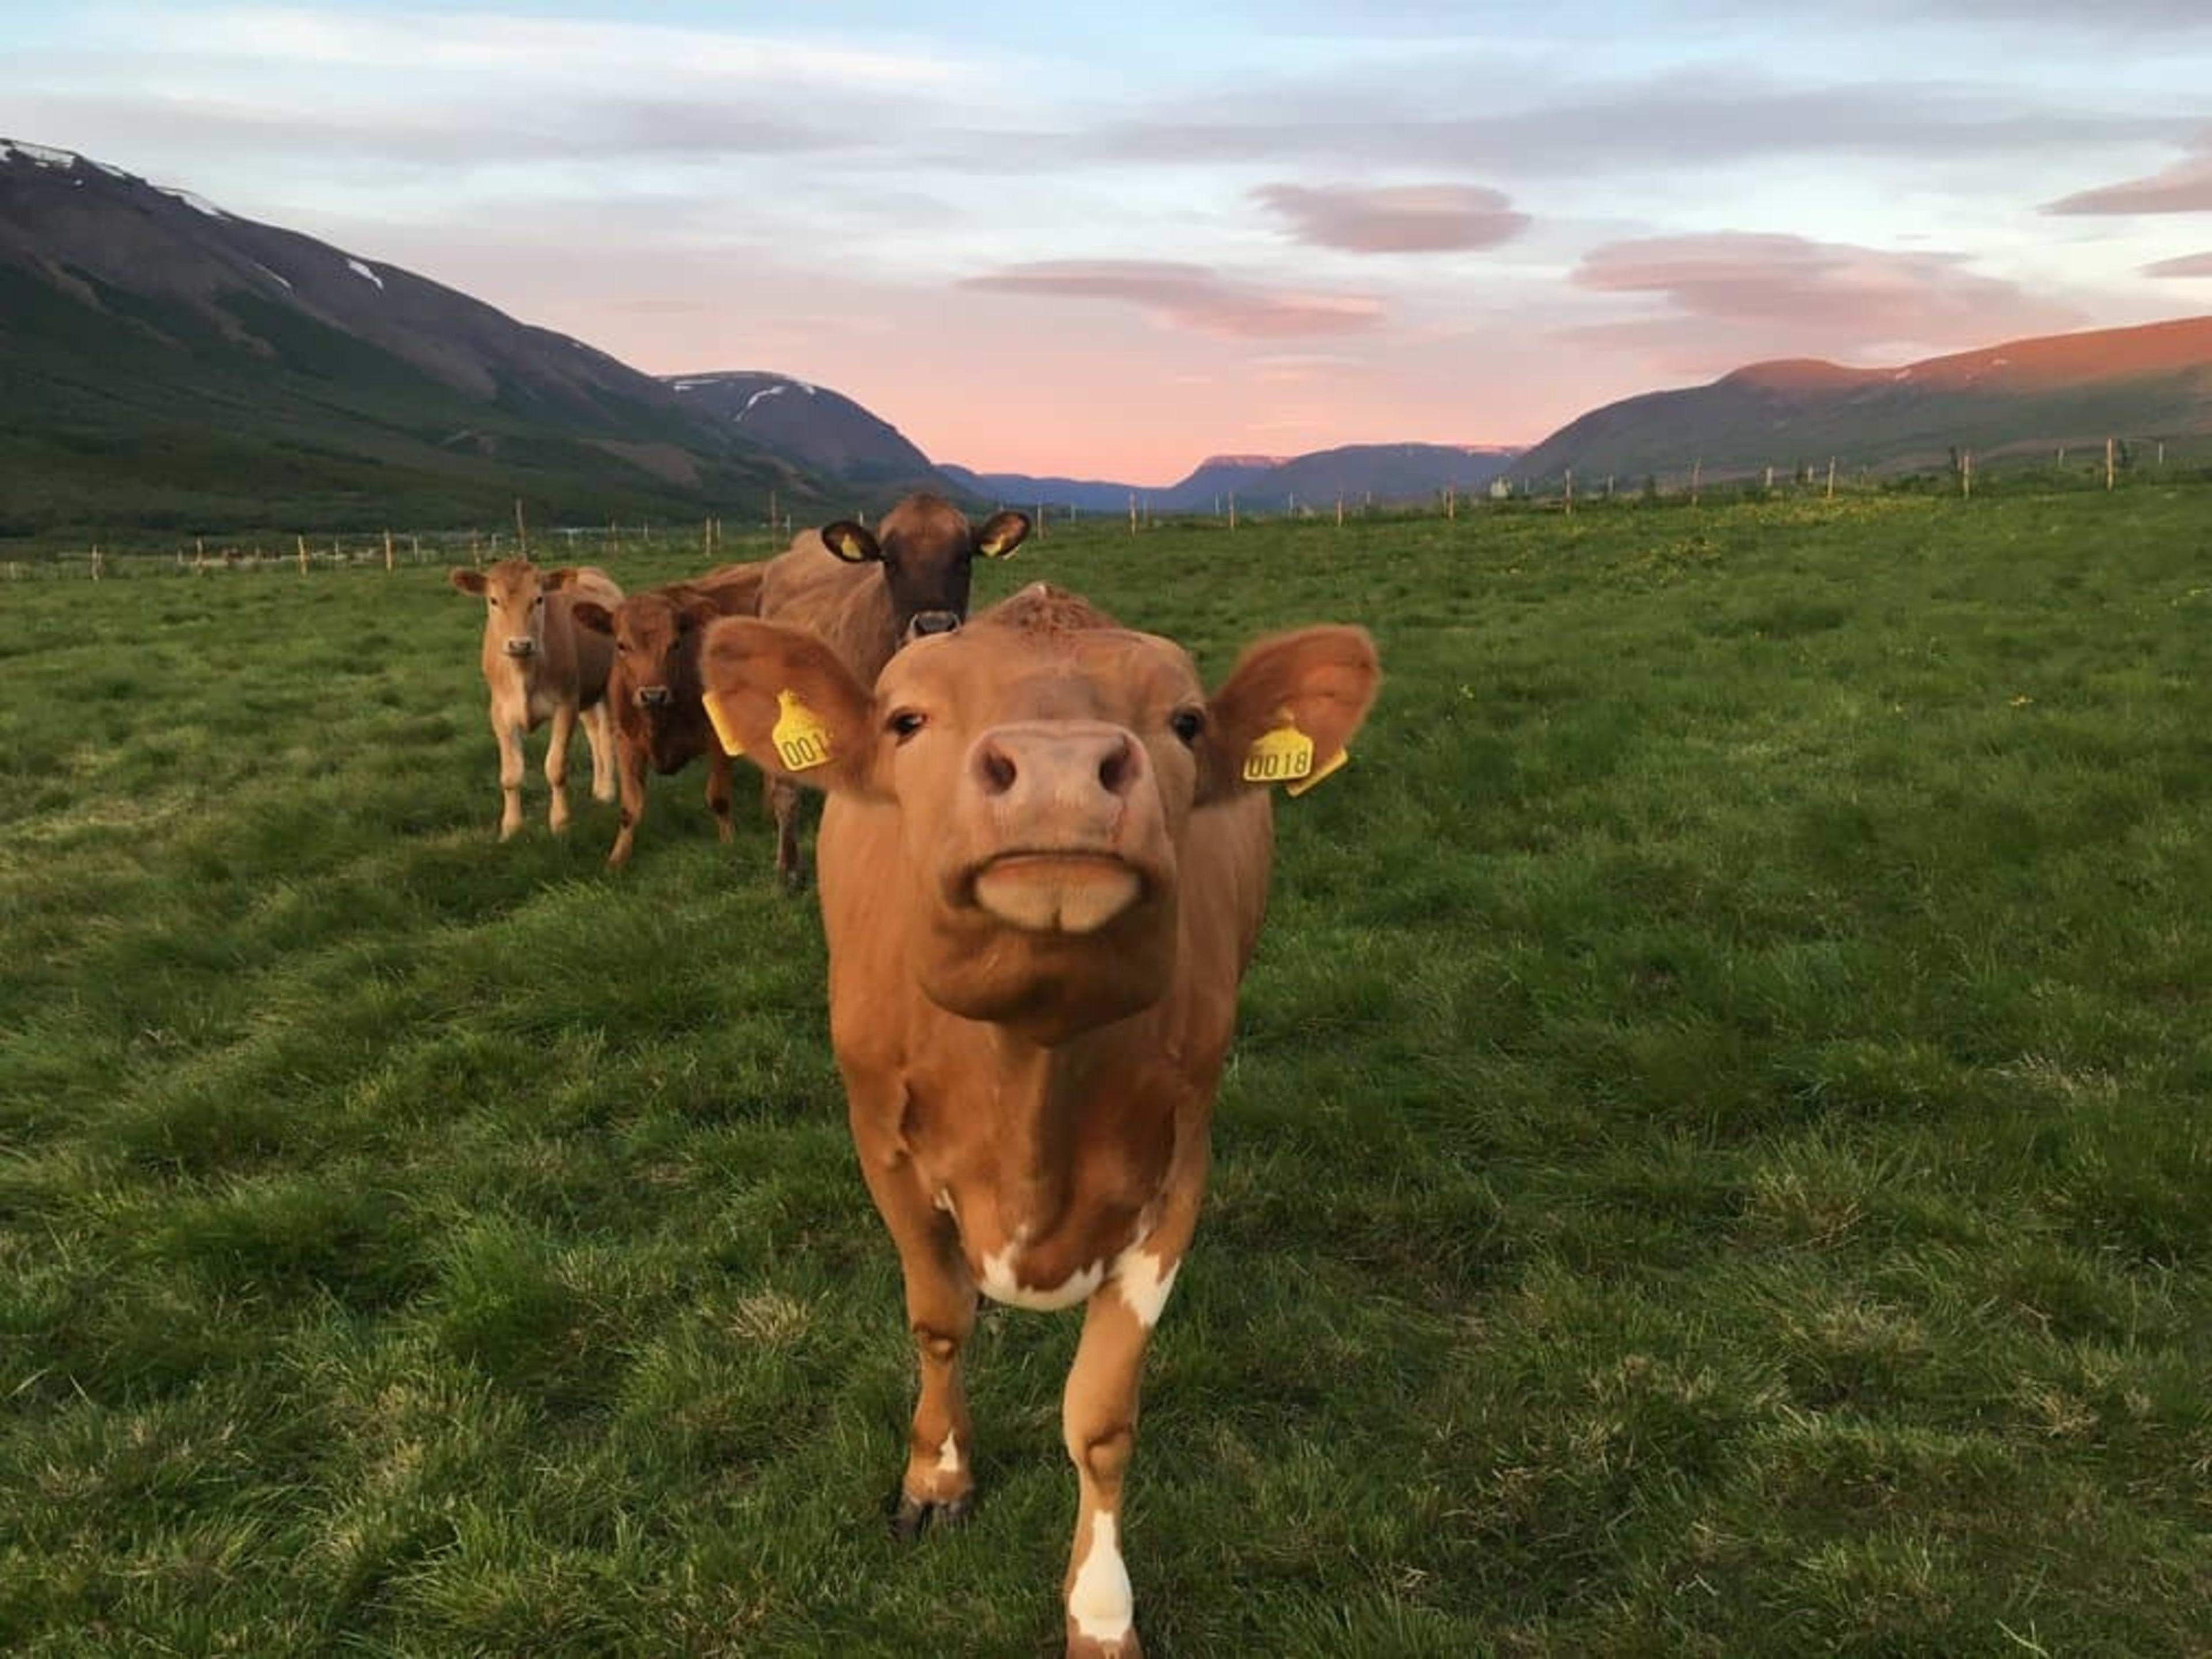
{"points": [[851, 542], [593, 615], [553, 581], [779, 696], [468, 581]]}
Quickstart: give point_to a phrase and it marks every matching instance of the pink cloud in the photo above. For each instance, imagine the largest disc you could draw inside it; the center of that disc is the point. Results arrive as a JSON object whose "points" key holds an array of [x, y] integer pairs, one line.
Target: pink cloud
{"points": [[2184, 187], [1395, 218], [1193, 298], [2190, 265], [1825, 296]]}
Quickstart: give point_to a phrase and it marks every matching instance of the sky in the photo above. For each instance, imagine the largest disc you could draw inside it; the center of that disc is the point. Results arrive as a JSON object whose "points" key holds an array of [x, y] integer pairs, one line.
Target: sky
{"points": [[1109, 240]]}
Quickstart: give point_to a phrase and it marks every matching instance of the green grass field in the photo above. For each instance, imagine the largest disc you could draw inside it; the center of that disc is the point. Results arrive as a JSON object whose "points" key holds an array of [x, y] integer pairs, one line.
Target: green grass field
{"points": [[1717, 1160]]}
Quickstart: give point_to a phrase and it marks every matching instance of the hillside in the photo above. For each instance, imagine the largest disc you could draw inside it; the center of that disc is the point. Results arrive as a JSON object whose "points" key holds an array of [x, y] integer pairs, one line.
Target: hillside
{"points": [[820, 430], [166, 364], [2021, 397], [1355, 472]]}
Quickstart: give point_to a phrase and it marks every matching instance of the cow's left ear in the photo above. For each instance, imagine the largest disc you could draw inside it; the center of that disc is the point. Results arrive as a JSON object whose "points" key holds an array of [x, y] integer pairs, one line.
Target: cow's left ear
{"points": [[852, 542], [695, 610], [781, 698], [554, 581], [1317, 682], [1002, 532]]}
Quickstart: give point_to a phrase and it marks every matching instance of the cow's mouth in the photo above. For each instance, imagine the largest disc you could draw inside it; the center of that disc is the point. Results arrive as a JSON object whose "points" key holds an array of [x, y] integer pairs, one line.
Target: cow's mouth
{"points": [[1054, 892]]}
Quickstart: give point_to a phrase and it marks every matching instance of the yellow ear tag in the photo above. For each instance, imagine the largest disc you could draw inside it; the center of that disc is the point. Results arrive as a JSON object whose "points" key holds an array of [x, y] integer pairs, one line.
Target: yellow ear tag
{"points": [[801, 739], [1282, 755], [1328, 769], [730, 743]]}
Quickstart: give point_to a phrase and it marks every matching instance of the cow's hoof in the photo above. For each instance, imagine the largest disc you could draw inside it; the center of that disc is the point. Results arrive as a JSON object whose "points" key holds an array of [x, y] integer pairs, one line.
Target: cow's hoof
{"points": [[794, 882], [911, 1517]]}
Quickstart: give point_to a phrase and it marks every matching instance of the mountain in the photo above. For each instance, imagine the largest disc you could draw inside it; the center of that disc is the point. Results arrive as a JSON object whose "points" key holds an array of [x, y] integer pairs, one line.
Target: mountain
{"points": [[2024, 397], [818, 429], [167, 364], [1355, 472]]}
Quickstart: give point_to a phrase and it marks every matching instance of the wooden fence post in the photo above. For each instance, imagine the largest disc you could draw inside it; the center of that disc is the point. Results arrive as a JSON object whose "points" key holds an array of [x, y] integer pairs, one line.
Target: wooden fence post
{"points": [[387, 552], [1831, 477], [1570, 492], [2108, 463]]}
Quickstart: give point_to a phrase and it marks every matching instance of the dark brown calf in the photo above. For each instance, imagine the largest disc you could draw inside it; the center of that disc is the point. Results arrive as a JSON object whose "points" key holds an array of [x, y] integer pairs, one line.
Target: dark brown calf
{"points": [[865, 593], [654, 687]]}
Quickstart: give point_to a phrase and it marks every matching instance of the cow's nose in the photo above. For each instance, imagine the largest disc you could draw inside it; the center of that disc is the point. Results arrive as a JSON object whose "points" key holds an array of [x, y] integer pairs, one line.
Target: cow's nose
{"points": [[522, 647], [927, 623], [653, 696], [1062, 763]]}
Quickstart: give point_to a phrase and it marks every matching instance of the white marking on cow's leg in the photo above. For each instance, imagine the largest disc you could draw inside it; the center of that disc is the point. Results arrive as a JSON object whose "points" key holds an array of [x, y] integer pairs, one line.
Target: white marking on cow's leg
{"points": [[1100, 1603], [948, 1455], [1145, 1283]]}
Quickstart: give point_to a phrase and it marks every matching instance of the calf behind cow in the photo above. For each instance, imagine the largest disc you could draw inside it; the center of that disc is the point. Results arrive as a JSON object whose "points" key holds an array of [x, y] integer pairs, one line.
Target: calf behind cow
{"points": [[654, 687], [865, 593], [1044, 865], [539, 667]]}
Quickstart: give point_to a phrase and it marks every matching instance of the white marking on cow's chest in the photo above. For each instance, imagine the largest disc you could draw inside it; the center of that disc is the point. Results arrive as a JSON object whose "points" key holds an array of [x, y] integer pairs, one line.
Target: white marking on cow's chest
{"points": [[1002, 1282], [1099, 1600], [1144, 1283], [948, 1455]]}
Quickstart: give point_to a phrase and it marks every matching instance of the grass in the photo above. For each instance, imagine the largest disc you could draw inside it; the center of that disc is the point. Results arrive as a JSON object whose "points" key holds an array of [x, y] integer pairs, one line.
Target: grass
{"points": [[1717, 1160]]}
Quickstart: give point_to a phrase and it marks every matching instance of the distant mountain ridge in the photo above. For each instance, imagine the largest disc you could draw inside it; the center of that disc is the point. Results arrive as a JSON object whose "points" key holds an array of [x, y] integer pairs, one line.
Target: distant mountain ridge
{"points": [[1356, 473], [2022, 397], [231, 371], [822, 430]]}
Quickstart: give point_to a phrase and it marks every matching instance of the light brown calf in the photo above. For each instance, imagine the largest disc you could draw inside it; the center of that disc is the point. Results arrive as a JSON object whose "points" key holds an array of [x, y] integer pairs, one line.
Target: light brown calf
{"points": [[539, 666], [1043, 861], [867, 593]]}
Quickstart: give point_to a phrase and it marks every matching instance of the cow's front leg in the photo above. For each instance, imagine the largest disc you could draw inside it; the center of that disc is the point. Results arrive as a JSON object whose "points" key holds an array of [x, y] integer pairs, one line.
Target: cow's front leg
{"points": [[599, 734], [556, 766], [507, 733], [1099, 1418], [939, 1482], [629, 774], [783, 799], [718, 791]]}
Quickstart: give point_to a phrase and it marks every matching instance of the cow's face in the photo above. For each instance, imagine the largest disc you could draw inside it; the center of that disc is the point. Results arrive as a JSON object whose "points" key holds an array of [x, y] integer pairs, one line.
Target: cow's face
{"points": [[927, 551], [1046, 779], [656, 644], [513, 593]]}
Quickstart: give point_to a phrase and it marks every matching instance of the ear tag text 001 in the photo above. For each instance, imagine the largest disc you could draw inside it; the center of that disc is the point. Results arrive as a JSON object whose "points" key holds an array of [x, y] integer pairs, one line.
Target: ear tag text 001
{"points": [[801, 739]]}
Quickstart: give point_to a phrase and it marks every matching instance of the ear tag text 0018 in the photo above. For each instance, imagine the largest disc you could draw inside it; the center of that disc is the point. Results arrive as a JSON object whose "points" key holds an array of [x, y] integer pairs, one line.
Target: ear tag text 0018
{"points": [[801, 739], [1282, 755]]}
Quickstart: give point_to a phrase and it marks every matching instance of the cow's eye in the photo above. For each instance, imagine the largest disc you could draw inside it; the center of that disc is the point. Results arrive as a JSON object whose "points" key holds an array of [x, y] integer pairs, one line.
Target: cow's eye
{"points": [[1187, 724], [494, 603], [905, 723]]}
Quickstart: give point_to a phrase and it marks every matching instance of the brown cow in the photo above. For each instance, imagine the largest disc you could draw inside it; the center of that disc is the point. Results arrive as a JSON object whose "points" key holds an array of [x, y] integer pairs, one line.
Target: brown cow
{"points": [[866, 594], [1044, 859], [653, 689], [539, 666]]}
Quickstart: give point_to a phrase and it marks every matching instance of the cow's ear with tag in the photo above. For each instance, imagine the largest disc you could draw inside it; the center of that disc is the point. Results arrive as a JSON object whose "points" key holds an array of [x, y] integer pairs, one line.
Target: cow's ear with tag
{"points": [[1002, 532], [1287, 711], [853, 543], [781, 698]]}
